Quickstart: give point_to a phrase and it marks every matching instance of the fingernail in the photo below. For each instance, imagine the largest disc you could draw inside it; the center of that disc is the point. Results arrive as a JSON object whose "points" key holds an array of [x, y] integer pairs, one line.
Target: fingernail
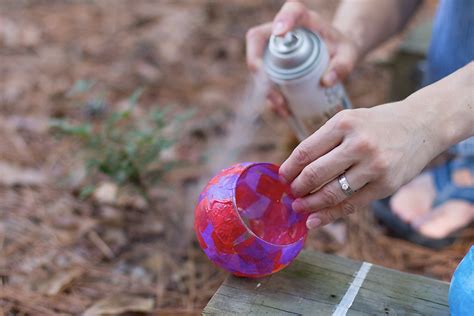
{"points": [[282, 179], [313, 222], [295, 192], [330, 78], [298, 206], [278, 28], [281, 175]]}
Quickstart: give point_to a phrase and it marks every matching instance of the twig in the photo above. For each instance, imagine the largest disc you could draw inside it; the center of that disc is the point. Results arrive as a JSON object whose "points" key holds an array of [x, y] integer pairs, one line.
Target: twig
{"points": [[100, 244]]}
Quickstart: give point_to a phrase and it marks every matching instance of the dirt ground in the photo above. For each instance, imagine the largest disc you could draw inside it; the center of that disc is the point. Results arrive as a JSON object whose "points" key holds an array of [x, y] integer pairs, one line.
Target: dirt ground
{"points": [[62, 254]]}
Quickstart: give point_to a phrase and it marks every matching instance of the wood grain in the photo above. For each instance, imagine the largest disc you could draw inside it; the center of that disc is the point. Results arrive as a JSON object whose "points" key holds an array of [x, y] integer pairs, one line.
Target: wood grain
{"points": [[315, 284]]}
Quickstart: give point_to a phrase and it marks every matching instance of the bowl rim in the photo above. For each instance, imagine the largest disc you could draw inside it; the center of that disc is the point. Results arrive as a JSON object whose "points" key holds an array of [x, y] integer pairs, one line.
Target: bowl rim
{"points": [[248, 165]]}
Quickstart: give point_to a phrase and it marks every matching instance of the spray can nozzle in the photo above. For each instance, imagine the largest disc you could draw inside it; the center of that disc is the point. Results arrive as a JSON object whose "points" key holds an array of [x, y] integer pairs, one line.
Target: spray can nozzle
{"points": [[289, 39], [285, 44]]}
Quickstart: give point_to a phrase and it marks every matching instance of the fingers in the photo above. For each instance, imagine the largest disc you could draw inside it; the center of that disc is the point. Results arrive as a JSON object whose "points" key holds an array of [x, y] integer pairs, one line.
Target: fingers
{"points": [[332, 194], [291, 14], [294, 13], [256, 39], [321, 171], [340, 65], [318, 144], [278, 103], [356, 202]]}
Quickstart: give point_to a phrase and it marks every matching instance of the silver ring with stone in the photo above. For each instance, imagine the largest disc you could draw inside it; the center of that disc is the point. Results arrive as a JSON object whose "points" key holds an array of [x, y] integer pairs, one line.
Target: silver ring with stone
{"points": [[345, 186]]}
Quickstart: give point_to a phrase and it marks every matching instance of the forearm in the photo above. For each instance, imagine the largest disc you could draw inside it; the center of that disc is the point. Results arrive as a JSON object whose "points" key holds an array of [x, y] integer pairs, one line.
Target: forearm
{"points": [[446, 108], [370, 22]]}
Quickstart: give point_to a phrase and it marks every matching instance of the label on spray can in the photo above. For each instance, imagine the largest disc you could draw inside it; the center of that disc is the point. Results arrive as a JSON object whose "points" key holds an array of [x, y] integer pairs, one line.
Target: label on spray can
{"points": [[295, 63]]}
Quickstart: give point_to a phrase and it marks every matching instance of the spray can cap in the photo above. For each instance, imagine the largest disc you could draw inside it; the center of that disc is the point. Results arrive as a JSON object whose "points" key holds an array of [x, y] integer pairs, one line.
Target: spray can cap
{"points": [[292, 55]]}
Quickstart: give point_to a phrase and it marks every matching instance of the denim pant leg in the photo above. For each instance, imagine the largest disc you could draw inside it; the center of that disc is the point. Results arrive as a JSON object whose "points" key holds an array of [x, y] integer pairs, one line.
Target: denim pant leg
{"points": [[464, 148]]}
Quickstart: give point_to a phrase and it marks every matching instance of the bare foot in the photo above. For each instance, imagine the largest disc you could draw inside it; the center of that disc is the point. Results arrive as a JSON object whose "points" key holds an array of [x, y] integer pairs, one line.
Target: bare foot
{"points": [[446, 218], [413, 204], [414, 199]]}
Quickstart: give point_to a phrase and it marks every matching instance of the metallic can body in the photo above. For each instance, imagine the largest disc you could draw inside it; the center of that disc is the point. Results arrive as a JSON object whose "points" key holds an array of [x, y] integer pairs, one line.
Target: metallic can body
{"points": [[295, 63]]}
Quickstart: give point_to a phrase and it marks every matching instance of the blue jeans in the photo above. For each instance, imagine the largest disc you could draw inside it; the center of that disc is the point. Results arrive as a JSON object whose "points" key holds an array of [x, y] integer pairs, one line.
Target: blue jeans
{"points": [[452, 47]]}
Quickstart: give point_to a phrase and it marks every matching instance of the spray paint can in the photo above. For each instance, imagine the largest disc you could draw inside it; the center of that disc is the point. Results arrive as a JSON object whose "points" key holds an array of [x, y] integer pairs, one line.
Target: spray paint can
{"points": [[295, 63]]}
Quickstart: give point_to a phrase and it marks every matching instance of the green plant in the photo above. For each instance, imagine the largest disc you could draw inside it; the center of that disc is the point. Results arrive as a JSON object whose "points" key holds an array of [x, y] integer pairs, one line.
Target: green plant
{"points": [[125, 147]]}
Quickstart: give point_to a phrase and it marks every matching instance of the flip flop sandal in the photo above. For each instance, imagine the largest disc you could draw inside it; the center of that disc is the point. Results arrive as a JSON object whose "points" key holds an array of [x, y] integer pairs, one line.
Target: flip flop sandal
{"points": [[446, 190]]}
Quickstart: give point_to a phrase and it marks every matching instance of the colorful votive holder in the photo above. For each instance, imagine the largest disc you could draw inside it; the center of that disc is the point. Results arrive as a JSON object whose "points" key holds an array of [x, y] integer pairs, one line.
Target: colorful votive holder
{"points": [[245, 223]]}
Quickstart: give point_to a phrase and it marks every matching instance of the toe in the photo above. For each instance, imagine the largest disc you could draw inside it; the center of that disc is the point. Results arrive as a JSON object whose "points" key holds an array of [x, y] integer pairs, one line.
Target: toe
{"points": [[414, 200], [446, 219]]}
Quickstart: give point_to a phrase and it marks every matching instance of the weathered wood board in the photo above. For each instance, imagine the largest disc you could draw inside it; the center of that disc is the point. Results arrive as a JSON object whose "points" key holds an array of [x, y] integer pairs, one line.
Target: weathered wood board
{"points": [[318, 284]]}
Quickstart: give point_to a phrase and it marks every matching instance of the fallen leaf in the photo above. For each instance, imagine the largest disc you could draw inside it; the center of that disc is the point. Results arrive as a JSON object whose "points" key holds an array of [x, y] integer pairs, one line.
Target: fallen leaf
{"points": [[59, 281], [14, 34], [120, 303], [100, 244], [39, 125], [2, 235], [106, 193], [128, 199], [156, 262], [13, 175], [111, 216]]}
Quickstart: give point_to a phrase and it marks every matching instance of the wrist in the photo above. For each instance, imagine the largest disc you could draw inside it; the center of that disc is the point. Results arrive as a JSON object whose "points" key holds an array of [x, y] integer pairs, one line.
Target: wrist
{"points": [[435, 124], [355, 35], [447, 107], [422, 121]]}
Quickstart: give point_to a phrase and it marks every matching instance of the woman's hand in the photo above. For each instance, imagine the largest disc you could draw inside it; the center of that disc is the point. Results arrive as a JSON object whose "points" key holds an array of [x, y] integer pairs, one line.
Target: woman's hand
{"points": [[343, 51], [378, 150]]}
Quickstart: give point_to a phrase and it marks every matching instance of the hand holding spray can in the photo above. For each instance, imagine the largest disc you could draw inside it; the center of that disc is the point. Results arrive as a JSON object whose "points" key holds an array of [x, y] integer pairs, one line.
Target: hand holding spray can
{"points": [[295, 63]]}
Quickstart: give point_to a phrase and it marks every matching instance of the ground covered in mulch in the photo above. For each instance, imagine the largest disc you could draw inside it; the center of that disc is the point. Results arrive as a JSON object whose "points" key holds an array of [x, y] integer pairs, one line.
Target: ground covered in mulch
{"points": [[113, 252]]}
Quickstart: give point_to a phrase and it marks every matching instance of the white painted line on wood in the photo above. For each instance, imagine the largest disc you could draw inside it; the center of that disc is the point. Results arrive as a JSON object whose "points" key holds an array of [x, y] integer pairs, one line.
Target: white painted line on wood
{"points": [[353, 290]]}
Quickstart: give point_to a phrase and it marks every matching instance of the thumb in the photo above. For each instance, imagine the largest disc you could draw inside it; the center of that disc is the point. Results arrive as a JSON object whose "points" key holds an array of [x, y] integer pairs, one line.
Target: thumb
{"points": [[340, 66], [292, 14]]}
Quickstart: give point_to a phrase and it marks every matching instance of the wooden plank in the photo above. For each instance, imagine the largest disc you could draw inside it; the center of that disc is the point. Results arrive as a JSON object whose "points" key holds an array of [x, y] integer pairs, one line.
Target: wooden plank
{"points": [[316, 283]]}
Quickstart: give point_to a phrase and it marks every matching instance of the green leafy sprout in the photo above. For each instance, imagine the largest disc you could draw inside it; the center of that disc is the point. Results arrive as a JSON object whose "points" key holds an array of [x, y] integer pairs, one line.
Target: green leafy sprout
{"points": [[124, 147]]}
